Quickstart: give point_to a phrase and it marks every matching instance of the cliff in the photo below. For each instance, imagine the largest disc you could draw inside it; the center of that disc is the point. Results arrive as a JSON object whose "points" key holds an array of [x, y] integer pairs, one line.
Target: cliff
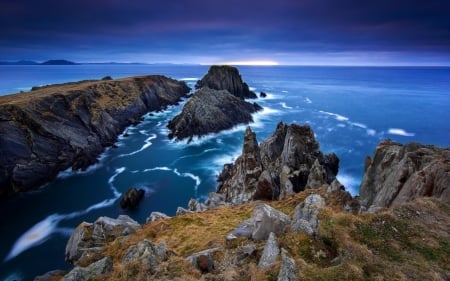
{"points": [[218, 105], [400, 173], [53, 128], [285, 163], [224, 77]]}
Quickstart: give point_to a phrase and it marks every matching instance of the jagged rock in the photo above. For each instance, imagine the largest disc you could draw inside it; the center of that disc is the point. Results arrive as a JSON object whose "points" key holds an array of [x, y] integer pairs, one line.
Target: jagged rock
{"points": [[306, 214], [203, 260], [270, 253], [195, 206], [131, 198], [210, 111], [57, 127], [88, 239], [285, 162], [94, 271], [335, 186], [400, 173], [225, 77], [145, 252], [245, 252], [51, 275], [156, 216], [262, 95], [288, 270], [182, 211], [264, 220], [215, 200], [317, 176]]}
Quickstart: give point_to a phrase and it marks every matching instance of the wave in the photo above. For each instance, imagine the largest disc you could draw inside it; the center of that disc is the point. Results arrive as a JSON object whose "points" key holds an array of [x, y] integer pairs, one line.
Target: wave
{"points": [[356, 124], [335, 115], [92, 168], [190, 79], [157, 169], [41, 231], [371, 132], [147, 143], [194, 155], [189, 175], [283, 104], [307, 100], [400, 132]]}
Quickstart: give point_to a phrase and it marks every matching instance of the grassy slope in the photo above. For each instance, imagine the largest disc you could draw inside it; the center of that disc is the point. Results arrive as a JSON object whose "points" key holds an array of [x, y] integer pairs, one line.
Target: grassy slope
{"points": [[409, 242]]}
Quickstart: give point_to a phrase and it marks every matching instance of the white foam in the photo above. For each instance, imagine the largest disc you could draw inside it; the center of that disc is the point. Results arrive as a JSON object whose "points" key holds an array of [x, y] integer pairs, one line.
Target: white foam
{"points": [[351, 184], [147, 143], [252, 89], [157, 169], [360, 125], [189, 175], [307, 100], [143, 132], [335, 115], [341, 125], [111, 181], [189, 79], [283, 104], [284, 91], [371, 132], [400, 132]]}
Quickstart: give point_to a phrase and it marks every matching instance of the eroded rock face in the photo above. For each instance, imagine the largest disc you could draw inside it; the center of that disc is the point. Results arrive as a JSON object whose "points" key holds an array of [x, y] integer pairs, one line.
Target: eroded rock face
{"points": [[146, 252], [270, 253], [99, 269], [306, 214], [88, 239], [400, 173], [210, 111], [288, 161], [224, 77], [57, 127]]}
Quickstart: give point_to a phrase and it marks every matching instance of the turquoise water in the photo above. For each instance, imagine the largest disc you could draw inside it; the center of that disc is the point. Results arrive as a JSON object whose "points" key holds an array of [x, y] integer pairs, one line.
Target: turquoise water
{"points": [[350, 110]]}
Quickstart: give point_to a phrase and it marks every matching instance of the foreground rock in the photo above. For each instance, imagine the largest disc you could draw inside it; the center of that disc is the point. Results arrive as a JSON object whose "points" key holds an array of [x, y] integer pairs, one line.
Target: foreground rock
{"points": [[400, 173], [210, 111], [94, 271], [285, 163], [306, 214], [270, 253], [225, 77], [57, 127], [87, 242]]}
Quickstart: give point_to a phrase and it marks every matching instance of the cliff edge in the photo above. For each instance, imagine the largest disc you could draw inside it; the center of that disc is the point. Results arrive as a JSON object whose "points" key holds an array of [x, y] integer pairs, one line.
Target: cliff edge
{"points": [[53, 128]]}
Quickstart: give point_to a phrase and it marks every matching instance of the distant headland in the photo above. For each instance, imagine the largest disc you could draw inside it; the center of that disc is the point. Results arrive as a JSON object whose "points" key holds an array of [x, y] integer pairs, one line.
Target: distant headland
{"points": [[30, 62]]}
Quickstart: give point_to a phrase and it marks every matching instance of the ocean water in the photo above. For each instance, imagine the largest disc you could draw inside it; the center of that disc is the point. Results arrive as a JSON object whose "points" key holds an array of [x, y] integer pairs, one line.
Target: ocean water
{"points": [[351, 109]]}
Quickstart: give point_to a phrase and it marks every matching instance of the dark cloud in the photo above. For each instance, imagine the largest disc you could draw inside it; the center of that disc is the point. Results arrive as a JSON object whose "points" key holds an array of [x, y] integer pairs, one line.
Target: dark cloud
{"points": [[45, 27]]}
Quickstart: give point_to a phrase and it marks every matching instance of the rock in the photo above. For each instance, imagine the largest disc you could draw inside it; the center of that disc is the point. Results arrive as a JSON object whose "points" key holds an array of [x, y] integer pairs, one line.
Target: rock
{"points": [[270, 253], [245, 252], [203, 260], [400, 173], [195, 206], [264, 220], [279, 166], [210, 111], [215, 200], [156, 216], [182, 211], [317, 176], [225, 78], [51, 275], [131, 198], [335, 186], [107, 78], [57, 127], [94, 271], [306, 214], [145, 252], [288, 270], [262, 95], [88, 239]]}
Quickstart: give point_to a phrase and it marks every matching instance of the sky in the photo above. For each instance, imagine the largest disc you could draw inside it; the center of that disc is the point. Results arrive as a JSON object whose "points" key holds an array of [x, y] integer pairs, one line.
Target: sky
{"points": [[303, 32]]}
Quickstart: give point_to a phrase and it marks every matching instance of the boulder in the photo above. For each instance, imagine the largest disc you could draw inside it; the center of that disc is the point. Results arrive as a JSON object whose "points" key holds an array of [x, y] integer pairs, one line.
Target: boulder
{"points": [[203, 260], [306, 214], [210, 111], [131, 198], [317, 176], [262, 95], [270, 253], [181, 211], [264, 220], [288, 270], [88, 239], [400, 173], [145, 252], [215, 200], [224, 77], [195, 206], [156, 216], [94, 271]]}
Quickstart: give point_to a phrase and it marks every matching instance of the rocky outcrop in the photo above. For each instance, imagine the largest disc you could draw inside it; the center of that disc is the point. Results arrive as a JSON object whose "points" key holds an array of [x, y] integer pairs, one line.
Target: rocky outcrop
{"points": [[156, 216], [94, 271], [400, 173], [288, 161], [131, 198], [224, 77], [306, 214], [57, 127], [210, 111], [264, 220], [288, 270], [146, 253], [270, 253], [88, 240]]}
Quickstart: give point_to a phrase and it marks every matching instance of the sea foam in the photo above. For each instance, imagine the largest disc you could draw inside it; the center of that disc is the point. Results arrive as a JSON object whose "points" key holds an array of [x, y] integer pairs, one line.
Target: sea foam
{"points": [[400, 132]]}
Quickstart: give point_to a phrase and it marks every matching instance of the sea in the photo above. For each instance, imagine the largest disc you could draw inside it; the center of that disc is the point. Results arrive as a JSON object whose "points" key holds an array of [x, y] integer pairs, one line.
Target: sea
{"points": [[351, 109]]}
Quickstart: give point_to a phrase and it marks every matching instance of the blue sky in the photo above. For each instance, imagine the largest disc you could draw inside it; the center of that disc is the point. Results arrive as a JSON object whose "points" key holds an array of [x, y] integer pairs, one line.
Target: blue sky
{"points": [[333, 32]]}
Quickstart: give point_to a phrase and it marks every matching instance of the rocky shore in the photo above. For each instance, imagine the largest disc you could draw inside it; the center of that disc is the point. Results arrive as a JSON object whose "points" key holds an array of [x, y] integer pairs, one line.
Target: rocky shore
{"points": [[315, 231], [217, 105], [57, 127]]}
